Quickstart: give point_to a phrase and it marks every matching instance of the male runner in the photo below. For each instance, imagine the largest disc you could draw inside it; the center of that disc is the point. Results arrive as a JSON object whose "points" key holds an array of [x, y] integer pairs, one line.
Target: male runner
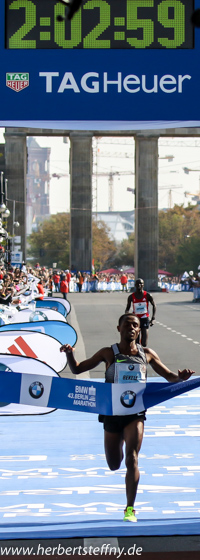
{"points": [[140, 300], [130, 428]]}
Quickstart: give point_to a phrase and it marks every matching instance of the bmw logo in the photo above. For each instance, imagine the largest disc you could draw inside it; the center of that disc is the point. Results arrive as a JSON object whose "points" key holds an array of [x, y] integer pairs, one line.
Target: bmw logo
{"points": [[128, 399], [37, 316], [131, 367], [36, 390]]}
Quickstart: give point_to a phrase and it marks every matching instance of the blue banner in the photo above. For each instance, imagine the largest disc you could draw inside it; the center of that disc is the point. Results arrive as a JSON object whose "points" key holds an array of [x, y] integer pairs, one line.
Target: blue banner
{"points": [[113, 77], [87, 396]]}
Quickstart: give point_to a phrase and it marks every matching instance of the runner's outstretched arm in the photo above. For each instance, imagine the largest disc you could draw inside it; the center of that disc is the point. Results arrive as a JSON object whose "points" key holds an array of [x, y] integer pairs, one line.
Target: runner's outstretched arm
{"points": [[160, 368], [90, 363]]}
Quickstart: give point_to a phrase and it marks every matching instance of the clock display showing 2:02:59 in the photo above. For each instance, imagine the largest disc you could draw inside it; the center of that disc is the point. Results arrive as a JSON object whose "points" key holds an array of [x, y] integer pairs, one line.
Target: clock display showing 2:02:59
{"points": [[100, 24]]}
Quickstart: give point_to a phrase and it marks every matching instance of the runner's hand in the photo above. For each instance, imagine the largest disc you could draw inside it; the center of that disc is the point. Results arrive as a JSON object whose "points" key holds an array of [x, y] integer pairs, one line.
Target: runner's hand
{"points": [[67, 349], [151, 323], [185, 374]]}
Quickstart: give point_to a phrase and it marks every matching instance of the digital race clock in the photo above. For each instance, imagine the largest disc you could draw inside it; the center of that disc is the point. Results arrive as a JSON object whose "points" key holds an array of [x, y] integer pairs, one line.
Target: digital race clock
{"points": [[100, 24]]}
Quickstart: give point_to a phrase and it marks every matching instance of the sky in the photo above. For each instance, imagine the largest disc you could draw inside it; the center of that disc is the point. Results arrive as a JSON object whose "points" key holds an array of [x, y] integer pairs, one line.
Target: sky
{"points": [[113, 172]]}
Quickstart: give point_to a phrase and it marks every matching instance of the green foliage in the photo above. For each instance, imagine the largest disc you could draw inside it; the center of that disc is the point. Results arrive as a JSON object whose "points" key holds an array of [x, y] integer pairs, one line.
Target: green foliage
{"points": [[125, 253], [51, 242], [179, 243], [103, 247]]}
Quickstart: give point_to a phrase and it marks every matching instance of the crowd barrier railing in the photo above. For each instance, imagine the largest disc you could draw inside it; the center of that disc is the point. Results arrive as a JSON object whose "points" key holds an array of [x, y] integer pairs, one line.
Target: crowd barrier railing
{"points": [[103, 286]]}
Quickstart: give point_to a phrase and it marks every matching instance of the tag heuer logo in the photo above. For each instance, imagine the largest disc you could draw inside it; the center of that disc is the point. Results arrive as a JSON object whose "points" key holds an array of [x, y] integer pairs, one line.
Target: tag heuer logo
{"points": [[17, 80]]}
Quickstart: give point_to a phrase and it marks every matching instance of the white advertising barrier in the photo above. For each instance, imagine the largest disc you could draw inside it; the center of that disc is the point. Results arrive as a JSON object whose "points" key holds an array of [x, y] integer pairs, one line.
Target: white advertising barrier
{"points": [[7, 313], [41, 314], [28, 366], [34, 345]]}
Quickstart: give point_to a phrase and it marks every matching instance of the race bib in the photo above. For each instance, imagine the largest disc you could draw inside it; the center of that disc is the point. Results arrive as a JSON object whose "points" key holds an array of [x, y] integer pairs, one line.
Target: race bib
{"points": [[130, 373], [140, 308]]}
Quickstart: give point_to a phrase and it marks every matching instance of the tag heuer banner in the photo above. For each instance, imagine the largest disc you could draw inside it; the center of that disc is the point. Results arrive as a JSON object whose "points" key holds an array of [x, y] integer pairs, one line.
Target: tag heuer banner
{"points": [[86, 396]]}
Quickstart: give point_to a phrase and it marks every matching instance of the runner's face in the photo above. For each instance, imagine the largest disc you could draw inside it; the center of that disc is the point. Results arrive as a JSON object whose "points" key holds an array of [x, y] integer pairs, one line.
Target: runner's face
{"points": [[139, 286], [129, 328]]}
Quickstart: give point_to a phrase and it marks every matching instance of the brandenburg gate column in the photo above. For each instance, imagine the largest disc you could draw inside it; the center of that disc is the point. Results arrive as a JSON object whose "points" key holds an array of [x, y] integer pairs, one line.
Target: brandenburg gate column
{"points": [[146, 210], [81, 201]]}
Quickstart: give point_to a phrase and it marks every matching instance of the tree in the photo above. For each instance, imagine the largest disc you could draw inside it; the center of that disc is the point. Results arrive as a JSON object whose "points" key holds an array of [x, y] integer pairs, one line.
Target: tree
{"points": [[178, 238], [51, 242], [125, 253], [104, 248]]}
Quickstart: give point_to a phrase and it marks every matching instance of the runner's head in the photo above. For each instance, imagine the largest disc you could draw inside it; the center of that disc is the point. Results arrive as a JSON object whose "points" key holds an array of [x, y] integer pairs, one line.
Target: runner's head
{"points": [[139, 285], [129, 326]]}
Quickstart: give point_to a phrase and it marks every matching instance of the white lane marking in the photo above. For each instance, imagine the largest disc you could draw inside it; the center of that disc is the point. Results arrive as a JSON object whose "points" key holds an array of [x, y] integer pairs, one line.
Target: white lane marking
{"points": [[177, 332]]}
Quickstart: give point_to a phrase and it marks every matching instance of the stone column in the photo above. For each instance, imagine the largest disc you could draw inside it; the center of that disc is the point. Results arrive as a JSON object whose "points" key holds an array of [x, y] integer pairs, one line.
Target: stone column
{"points": [[146, 211], [15, 172], [81, 201]]}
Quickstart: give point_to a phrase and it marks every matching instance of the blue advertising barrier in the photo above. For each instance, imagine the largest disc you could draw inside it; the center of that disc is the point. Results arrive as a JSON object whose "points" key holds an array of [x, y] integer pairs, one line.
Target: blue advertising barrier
{"points": [[55, 305], [63, 332]]}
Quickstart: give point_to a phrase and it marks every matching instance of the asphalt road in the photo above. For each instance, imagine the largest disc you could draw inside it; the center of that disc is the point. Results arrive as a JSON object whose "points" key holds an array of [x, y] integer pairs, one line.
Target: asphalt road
{"points": [[175, 335]]}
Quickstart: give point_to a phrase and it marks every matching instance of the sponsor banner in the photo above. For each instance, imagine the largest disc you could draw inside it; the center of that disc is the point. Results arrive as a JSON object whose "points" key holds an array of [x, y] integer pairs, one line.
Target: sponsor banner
{"points": [[8, 364], [166, 391], [86, 396], [63, 301], [127, 398], [34, 345], [52, 304], [32, 390], [63, 332], [38, 390], [42, 314], [17, 81]]}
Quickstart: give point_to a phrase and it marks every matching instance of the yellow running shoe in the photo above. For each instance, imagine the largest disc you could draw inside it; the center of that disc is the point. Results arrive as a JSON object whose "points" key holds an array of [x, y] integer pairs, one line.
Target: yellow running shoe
{"points": [[129, 514]]}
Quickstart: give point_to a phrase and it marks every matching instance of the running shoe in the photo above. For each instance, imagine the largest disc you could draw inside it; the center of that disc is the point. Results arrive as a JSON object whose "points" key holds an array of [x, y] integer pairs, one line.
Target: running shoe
{"points": [[129, 514]]}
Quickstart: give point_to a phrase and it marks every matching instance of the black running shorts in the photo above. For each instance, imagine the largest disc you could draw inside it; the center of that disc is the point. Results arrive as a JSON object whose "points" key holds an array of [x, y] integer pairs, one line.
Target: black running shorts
{"points": [[116, 424]]}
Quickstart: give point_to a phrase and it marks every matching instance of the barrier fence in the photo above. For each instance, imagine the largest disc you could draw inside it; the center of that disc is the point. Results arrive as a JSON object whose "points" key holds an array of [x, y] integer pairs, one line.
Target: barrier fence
{"points": [[112, 286]]}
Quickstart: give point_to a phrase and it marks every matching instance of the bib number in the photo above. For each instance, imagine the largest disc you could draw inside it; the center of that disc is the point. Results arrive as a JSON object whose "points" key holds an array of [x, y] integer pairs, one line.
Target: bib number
{"points": [[130, 373], [140, 308]]}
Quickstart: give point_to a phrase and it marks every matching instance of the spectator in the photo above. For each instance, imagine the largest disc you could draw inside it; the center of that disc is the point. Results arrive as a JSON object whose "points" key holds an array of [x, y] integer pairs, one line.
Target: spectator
{"points": [[40, 289], [64, 288], [56, 279], [124, 281], [68, 278], [80, 281]]}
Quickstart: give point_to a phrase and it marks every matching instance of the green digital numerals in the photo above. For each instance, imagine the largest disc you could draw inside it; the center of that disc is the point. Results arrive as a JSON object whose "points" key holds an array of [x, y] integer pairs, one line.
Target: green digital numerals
{"points": [[99, 24]]}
